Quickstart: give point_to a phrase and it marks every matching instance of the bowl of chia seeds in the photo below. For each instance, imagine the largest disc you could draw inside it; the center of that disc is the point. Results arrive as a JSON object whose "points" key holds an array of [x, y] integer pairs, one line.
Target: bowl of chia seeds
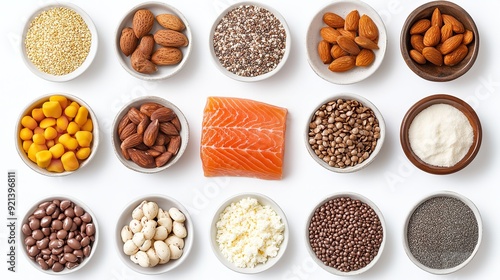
{"points": [[249, 41], [442, 232], [345, 234], [59, 42], [344, 133]]}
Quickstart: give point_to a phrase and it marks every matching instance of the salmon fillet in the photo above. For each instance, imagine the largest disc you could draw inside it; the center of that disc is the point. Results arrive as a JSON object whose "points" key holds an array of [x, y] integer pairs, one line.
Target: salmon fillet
{"points": [[242, 137]]}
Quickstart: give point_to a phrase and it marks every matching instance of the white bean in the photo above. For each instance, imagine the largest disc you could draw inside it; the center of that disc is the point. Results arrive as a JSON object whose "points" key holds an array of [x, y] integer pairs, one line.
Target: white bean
{"points": [[139, 239], [161, 233], [133, 258], [146, 245], [153, 257], [126, 233], [179, 229], [167, 223], [176, 215], [162, 214], [142, 259], [175, 241], [175, 252], [150, 210], [137, 213], [129, 248], [149, 229], [135, 226], [162, 251]]}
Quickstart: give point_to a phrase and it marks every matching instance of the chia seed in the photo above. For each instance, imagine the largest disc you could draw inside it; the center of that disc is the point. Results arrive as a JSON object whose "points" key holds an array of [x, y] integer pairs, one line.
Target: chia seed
{"points": [[249, 41], [442, 232]]}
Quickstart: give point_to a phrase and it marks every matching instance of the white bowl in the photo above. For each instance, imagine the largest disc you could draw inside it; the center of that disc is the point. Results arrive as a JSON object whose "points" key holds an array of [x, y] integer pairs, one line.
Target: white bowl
{"points": [[163, 71], [30, 211], [380, 141], [259, 77], [353, 196], [477, 215], [184, 133], [37, 103], [93, 46], [357, 74], [164, 202], [263, 200]]}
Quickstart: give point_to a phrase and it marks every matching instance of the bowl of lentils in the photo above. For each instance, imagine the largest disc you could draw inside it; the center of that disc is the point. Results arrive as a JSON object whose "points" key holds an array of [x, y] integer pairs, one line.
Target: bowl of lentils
{"points": [[249, 41], [345, 234], [59, 42], [345, 133]]}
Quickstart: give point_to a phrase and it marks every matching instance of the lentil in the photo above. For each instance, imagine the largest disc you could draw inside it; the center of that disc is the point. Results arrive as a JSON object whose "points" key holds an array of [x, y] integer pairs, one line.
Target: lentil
{"points": [[345, 233], [58, 41], [442, 232], [343, 133], [249, 41]]}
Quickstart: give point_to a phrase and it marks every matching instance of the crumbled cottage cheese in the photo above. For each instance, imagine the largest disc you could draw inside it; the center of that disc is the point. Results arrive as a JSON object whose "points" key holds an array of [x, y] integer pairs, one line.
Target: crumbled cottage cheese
{"points": [[248, 233]]}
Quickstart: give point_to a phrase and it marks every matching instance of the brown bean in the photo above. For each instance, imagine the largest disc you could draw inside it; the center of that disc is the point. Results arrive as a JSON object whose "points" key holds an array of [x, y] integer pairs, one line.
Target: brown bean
{"points": [[34, 224], [46, 231], [62, 234], [46, 253], [43, 244], [74, 244], [37, 234], [57, 202], [87, 250], [53, 236], [90, 229], [85, 241], [51, 209], [57, 267], [69, 212], [56, 244], [67, 223], [71, 265], [57, 251], [70, 257], [65, 204], [56, 213], [29, 241], [78, 253], [43, 265], [46, 221], [26, 229], [86, 217], [67, 249], [77, 221], [39, 213], [78, 211], [44, 205], [33, 251]]}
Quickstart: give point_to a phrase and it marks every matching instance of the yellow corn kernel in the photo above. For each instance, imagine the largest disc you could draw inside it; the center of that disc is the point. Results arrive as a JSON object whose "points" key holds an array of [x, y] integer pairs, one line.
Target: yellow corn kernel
{"points": [[63, 101], [81, 116], [29, 122], [73, 128], [84, 138], [38, 130], [52, 109], [68, 142], [71, 110], [50, 133], [83, 153], [57, 150], [37, 114], [55, 166], [62, 123], [50, 143], [27, 144], [47, 122], [33, 149], [43, 158], [25, 134], [69, 161], [39, 139], [88, 126]]}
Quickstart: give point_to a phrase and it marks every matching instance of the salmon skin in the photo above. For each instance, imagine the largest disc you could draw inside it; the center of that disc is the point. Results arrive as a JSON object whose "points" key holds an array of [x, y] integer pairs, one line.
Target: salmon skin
{"points": [[243, 138]]}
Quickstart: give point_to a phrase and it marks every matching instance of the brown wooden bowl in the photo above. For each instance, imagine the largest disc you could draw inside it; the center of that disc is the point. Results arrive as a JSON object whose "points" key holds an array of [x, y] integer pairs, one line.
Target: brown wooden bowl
{"points": [[428, 70], [461, 105]]}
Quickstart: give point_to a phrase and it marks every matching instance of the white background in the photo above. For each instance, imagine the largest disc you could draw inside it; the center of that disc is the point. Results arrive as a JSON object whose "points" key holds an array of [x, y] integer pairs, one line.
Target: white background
{"points": [[391, 181]]}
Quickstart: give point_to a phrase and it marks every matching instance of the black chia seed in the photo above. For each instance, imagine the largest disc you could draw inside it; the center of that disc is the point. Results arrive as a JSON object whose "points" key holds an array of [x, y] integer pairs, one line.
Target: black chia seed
{"points": [[249, 41], [442, 232]]}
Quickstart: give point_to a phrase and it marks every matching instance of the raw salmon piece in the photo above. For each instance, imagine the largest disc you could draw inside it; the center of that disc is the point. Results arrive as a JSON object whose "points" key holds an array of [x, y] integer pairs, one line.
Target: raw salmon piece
{"points": [[242, 137]]}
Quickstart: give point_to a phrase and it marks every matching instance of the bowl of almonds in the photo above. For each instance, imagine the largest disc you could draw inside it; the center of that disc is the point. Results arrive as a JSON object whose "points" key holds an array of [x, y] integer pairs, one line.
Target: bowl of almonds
{"points": [[346, 42], [153, 41], [439, 41], [150, 134]]}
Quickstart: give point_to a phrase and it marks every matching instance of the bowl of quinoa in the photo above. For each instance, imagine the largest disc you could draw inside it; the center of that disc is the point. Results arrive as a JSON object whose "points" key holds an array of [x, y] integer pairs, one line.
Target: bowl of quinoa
{"points": [[59, 42]]}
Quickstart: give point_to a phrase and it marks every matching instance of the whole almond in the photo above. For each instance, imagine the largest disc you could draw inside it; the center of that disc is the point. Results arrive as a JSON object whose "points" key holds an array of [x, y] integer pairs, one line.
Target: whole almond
{"points": [[141, 158], [446, 32], [458, 27], [342, 64], [149, 107], [348, 45], [468, 37], [420, 26], [170, 21], [367, 28], [329, 34], [160, 148], [129, 129], [168, 129], [161, 138], [141, 127], [432, 36], [167, 56], [141, 64], [147, 45], [417, 57], [163, 159], [352, 21], [432, 55], [337, 52], [437, 18], [452, 43], [324, 52], [170, 38], [365, 58], [349, 34], [365, 43], [151, 132], [333, 20], [163, 114], [417, 42], [128, 41], [177, 123], [456, 56], [142, 22], [124, 121], [174, 145], [131, 141], [135, 115]]}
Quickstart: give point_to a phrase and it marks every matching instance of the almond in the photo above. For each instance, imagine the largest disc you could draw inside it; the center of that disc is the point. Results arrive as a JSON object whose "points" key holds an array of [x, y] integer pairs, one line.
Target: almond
{"points": [[365, 57], [432, 36], [333, 20], [142, 22], [162, 159], [168, 129], [365, 43], [149, 107], [160, 148], [167, 56], [348, 45], [151, 132], [147, 45], [141, 64], [437, 18], [174, 145], [141, 127], [128, 41], [170, 38], [432, 55], [163, 114], [417, 42], [367, 28], [131, 141], [177, 123], [329, 34], [342, 64], [352, 21], [130, 129], [141, 158], [123, 123], [170, 21], [135, 115], [324, 52], [451, 44], [349, 34], [161, 138], [446, 32], [468, 37], [417, 57], [420, 26], [152, 152], [456, 56], [458, 27], [337, 52]]}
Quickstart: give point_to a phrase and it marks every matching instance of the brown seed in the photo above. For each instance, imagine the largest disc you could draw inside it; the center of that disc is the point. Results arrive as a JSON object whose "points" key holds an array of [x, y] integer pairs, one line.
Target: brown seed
{"points": [[151, 133], [352, 21], [451, 44], [337, 52], [468, 37], [324, 52], [365, 58], [124, 121], [417, 42], [366, 43], [417, 57], [135, 115], [130, 129], [349, 34], [446, 32], [329, 34], [456, 56], [146, 46], [168, 129], [348, 45], [142, 22], [149, 107], [420, 26], [436, 18], [163, 114], [433, 55], [167, 56], [170, 38], [458, 27], [432, 36], [128, 41], [141, 158], [342, 64], [333, 20], [141, 127], [163, 159], [141, 63], [170, 21], [174, 145], [367, 28]]}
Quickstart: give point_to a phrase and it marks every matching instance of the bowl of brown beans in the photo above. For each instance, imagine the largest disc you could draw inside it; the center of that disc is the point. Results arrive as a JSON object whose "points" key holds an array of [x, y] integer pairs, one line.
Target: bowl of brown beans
{"points": [[345, 133], [345, 234], [59, 235]]}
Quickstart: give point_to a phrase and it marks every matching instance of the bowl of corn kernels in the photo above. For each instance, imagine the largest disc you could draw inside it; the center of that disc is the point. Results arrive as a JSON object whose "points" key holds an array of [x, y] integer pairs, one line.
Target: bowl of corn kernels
{"points": [[57, 134]]}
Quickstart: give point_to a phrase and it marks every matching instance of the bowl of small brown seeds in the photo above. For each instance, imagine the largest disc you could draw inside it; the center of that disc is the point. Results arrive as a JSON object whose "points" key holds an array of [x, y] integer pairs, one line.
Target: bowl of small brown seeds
{"points": [[59, 42], [345, 133], [345, 234]]}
